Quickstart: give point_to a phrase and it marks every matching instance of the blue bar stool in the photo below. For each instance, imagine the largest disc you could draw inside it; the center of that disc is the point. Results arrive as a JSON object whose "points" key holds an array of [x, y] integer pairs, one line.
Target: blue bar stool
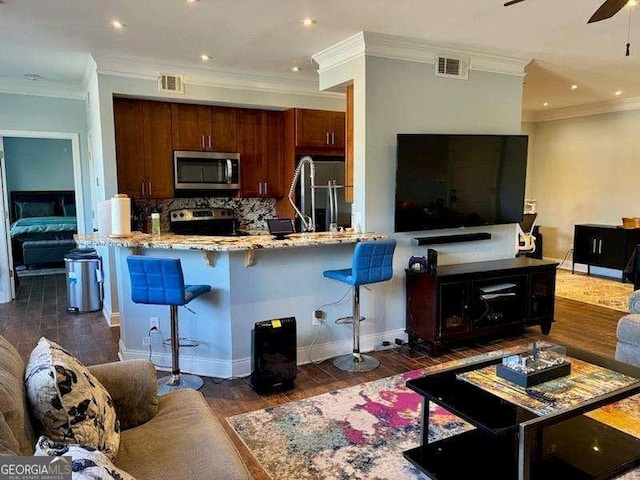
{"points": [[372, 263], [159, 281]]}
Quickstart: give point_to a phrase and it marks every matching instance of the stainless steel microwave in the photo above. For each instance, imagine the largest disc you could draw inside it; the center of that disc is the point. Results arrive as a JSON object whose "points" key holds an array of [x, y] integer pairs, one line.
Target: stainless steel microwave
{"points": [[206, 170]]}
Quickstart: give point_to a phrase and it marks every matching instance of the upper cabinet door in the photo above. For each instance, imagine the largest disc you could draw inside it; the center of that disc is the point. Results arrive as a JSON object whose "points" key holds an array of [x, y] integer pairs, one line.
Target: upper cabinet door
{"points": [[191, 127], [320, 129], [158, 152], [250, 148], [337, 129], [273, 151], [129, 129], [311, 129], [224, 129]]}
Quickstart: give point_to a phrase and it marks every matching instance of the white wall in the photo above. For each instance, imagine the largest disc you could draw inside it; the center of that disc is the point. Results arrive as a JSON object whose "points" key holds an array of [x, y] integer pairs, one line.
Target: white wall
{"points": [[46, 114], [396, 96], [27, 158], [586, 170], [529, 128]]}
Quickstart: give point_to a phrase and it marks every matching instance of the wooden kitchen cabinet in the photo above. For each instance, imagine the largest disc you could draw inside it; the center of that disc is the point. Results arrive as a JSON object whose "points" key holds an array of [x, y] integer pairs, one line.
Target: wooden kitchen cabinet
{"points": [[204, 128], [250, 148], [320, 129], [349, 152], [273, 148], [144, 156], [260, 143]]}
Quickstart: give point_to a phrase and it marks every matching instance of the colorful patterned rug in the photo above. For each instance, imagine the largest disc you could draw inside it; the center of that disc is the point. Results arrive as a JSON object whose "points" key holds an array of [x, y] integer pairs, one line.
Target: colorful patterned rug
{"points": [[604, 292], [360, 432]]}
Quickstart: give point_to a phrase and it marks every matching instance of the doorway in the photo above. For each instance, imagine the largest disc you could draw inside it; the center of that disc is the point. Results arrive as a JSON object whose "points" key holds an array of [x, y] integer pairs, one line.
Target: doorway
{"points": [[39, 171]]}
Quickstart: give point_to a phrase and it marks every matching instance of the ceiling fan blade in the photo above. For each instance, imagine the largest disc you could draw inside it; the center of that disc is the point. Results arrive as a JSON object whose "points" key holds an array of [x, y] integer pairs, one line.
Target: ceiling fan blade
{"points": [[607, 10], [512, 2]]}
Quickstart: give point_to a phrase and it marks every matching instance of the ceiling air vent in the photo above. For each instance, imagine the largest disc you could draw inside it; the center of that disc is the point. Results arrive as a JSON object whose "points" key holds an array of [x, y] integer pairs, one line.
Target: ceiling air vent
{"points": [[452, 68], [171, 83]]}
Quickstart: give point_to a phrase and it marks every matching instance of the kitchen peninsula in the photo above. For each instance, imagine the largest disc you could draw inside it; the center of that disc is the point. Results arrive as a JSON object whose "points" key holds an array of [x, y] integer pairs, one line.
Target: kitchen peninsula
{"points": [[253, 278]]}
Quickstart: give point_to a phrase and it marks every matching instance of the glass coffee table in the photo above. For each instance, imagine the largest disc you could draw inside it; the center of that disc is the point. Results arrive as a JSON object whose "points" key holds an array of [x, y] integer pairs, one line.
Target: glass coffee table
{"points": [[521, 436]]}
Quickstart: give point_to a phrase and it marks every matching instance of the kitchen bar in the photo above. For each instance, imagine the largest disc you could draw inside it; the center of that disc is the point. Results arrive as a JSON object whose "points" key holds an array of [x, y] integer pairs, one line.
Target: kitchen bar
{"points": [[284, 280]]}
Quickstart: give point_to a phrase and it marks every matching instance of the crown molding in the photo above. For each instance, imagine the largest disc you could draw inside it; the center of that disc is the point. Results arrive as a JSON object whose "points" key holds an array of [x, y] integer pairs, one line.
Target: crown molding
{"points": [[599, 108], [211, 78], [414, 50], [340, 53], [41, 88]]}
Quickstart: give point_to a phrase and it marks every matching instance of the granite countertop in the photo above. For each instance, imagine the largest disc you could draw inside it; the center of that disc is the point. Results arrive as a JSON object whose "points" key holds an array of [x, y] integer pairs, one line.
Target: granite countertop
{"points": [[223, 244]]}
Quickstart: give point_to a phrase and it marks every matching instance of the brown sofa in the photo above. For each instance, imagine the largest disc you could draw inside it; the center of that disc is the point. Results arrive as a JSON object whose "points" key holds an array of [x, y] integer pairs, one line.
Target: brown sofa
{"points": [[170, 437]]}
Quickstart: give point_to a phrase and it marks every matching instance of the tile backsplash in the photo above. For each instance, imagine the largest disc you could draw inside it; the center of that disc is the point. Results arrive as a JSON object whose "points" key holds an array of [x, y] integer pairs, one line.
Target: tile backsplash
{"points": [[252, 213]]}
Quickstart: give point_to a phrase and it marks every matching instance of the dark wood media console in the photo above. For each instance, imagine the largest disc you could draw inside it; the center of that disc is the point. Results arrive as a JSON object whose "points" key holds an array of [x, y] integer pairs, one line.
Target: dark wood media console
{"points": [[471, 300]]}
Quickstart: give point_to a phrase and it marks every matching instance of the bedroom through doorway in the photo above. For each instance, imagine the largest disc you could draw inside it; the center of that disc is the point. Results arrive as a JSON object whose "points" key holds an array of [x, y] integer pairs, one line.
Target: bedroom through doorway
{"points": [[42, 199]]}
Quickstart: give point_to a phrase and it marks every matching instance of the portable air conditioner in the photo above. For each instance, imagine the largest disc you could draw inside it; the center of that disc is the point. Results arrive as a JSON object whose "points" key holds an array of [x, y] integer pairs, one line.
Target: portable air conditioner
{"points": [[273, 355]]}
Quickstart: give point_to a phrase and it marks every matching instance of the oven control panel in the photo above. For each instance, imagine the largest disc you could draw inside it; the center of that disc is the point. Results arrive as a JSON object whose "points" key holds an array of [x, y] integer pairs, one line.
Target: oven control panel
{"points": [[200, 214]]}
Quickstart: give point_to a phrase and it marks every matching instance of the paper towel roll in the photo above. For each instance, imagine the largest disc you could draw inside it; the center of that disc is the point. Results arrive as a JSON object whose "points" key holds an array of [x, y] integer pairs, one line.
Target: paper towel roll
{"points": [[120, 216], [104, 218]]}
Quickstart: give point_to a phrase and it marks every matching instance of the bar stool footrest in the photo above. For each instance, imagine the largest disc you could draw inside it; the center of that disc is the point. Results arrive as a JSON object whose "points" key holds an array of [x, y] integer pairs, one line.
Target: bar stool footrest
{"points": [[182, 342], [348, 320]]}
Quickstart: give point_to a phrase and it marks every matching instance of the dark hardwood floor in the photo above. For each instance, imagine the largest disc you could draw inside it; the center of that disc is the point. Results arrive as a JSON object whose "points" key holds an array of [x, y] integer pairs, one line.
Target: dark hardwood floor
{"points": [[40, 310]]}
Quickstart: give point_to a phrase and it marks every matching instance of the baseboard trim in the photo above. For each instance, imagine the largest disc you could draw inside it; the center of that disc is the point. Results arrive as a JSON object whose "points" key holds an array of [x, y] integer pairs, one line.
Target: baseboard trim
{"points": [[112, 319], [223, 368]]}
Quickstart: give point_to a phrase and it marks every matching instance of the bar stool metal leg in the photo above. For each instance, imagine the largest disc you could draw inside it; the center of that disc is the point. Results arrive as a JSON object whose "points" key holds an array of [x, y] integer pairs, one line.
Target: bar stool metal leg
{"points": [[177, 380], [356, 362]]}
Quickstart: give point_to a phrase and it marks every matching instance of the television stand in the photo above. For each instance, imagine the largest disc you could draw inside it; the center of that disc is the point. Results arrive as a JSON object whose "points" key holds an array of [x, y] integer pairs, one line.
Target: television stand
{"points": [[473, 300]]}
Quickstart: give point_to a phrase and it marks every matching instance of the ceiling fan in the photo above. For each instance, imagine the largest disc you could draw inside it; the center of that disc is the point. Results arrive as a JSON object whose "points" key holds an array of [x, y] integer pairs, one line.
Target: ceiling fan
{"points": [[607, 10]]}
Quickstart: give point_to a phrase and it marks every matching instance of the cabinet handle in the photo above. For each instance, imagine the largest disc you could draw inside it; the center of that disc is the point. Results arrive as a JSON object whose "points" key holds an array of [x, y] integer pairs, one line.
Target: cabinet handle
{"points": [[259, 188], [265, 188], [149, 188], [327, 138], [593, 245], [599, 246], [142, 188], [202, 141], [209, 142], [333, 138]]}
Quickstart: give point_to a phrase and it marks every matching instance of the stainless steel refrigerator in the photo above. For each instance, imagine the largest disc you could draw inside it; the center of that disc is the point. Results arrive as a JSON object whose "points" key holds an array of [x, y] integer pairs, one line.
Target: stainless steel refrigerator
{"points": [[329, 193]]}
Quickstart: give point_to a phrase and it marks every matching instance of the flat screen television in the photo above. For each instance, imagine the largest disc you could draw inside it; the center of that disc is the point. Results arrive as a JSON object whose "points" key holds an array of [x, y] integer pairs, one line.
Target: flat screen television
{"points": [[449, 181]]}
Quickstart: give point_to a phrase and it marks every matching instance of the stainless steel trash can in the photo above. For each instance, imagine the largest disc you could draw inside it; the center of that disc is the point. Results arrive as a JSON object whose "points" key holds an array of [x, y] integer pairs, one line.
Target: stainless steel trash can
{"points": [[83, 267]]}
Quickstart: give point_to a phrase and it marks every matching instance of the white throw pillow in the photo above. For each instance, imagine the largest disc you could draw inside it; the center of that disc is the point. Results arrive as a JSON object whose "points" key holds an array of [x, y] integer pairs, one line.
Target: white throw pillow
{"points": [[68, 403], [87, 463]]}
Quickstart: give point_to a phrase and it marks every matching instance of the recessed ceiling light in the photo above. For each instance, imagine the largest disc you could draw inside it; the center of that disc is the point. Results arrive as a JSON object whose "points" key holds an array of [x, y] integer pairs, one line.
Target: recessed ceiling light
{"points": [[205, 58], [192, 1], [295, 69], [618, 93], [34, 77], [307, 22], [117, 24], [574, 87], [632, 3], [546, 104]]}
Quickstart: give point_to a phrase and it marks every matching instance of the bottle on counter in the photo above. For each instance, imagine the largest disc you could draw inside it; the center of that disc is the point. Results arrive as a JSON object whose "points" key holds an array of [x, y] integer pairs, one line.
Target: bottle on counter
{"points": [[155, 224]]}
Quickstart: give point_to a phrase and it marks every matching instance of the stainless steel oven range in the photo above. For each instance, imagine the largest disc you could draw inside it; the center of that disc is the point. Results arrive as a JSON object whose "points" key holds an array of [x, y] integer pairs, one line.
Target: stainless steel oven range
{"points": [[203, 221]]}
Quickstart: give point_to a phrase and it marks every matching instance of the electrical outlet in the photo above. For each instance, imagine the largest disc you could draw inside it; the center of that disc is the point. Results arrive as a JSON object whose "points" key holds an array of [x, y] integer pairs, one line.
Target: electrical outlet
{"points": [[154, 322], [317, 317], [146, 341]]}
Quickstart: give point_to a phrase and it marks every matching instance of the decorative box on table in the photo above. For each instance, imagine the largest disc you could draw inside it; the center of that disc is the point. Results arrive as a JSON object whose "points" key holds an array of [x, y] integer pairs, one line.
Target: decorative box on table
{"points": [[538, 365]]}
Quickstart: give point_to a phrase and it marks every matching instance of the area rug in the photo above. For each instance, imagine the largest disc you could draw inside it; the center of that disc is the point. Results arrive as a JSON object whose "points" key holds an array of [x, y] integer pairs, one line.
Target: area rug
{"points": [[359, 432], [609, 293]]}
